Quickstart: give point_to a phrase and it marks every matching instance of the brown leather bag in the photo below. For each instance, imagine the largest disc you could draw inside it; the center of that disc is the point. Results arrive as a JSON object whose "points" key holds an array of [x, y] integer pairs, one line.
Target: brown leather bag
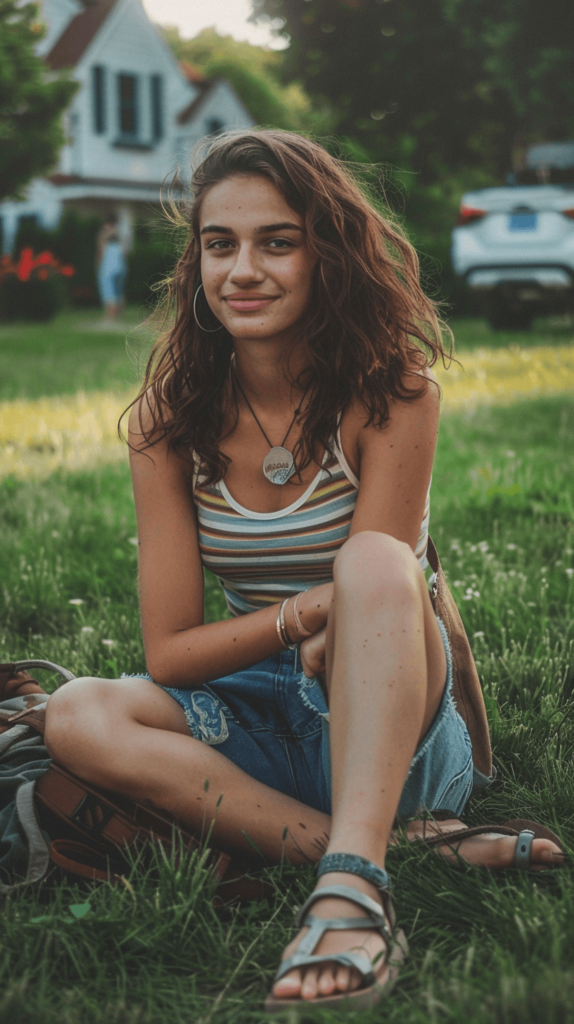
{"points": [[101, 828], [93, 832], [467, 689]]}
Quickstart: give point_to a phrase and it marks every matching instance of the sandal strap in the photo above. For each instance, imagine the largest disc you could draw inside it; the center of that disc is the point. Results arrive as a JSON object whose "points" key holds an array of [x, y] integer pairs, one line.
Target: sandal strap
{"points": [[376, 921], [376, 917], [523, 849], [358, 961], [352, 864]]}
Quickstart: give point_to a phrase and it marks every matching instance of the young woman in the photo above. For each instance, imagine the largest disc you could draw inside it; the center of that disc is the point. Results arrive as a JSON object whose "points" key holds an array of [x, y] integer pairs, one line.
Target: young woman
{"points": [[284, 439]]}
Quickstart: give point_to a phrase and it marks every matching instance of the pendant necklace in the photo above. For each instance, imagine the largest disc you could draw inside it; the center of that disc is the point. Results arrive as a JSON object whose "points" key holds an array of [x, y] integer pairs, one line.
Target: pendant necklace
{"points": [[278, 464]]}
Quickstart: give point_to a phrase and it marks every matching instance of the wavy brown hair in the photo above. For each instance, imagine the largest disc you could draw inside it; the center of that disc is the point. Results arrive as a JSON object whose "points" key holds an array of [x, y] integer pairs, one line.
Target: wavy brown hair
{"points": [[368, 328]]}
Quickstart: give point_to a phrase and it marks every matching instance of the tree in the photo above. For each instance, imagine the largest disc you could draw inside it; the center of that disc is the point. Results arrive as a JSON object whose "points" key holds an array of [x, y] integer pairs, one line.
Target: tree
{"points": [[32, 100], [437, 86], [254, 73]]}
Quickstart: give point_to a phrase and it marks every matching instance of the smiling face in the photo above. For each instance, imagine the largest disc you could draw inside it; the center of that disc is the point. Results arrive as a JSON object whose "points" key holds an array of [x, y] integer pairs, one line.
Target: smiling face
{"points": [[256, 266]]}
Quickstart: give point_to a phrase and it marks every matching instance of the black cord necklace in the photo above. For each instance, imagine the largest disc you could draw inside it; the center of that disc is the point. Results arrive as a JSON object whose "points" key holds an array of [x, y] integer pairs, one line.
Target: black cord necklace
{"points": [[278, 464]]}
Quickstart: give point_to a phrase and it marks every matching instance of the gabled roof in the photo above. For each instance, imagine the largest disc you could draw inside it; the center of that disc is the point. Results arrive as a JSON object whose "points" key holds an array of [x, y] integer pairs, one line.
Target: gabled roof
{"points": [[192, 74], [204, 86], [78, 35]]}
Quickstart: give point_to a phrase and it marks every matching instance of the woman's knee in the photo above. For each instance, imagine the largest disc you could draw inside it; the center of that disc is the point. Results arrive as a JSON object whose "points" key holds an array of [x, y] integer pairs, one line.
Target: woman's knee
{"points": [[376, 565], [75, 717]]}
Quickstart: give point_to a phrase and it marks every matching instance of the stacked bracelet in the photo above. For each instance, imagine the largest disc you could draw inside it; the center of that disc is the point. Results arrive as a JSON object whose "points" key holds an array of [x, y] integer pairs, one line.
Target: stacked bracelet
{"points": [[282, 628]]}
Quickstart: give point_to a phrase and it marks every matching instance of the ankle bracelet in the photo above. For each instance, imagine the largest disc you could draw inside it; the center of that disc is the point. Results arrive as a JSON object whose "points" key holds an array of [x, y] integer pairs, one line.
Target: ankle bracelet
{"points": [[352, 864]]}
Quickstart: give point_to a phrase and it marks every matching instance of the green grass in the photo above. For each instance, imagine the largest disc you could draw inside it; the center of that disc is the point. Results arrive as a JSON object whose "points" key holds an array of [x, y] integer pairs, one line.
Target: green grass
{"points": [[63, 357], [484, 948], [71, 353]]}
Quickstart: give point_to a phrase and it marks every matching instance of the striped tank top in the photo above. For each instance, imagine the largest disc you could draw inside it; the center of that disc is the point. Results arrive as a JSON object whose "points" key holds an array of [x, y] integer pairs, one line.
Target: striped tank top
{"points": [[263, 557]]}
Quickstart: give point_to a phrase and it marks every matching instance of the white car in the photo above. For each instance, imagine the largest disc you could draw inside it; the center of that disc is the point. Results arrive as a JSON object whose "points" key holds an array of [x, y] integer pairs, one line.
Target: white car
{"points": [[514, 245]]}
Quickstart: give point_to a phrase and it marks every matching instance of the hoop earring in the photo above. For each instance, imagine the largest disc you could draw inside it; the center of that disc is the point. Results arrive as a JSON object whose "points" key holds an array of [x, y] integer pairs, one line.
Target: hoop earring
{"points": [[208, 330]]}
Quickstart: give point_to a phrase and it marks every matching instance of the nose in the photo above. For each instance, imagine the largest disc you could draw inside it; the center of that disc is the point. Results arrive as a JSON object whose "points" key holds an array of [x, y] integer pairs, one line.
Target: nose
{"points": [[246, 269]]}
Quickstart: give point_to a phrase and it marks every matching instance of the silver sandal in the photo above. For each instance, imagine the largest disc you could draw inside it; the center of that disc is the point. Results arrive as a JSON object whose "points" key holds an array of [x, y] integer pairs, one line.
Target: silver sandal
{"points": [[376, 979]]}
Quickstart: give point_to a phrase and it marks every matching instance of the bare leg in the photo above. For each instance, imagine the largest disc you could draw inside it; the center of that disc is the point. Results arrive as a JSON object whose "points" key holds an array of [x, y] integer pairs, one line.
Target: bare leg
{"points": [[131, 737], [386, 670]]}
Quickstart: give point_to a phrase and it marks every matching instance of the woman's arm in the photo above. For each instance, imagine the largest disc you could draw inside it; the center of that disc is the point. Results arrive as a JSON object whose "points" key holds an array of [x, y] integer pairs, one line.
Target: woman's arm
{"points": [[395, 466], [180, 649]]}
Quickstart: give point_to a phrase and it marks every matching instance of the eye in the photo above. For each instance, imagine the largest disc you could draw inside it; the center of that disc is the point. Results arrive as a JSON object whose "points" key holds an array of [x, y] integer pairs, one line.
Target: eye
{"points": [[219, 243], [280, 243]]}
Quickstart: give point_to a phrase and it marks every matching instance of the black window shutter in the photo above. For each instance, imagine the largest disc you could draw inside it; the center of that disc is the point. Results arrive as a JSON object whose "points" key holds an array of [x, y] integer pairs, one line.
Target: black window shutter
{"points": [[99, 98], [157, 106]]}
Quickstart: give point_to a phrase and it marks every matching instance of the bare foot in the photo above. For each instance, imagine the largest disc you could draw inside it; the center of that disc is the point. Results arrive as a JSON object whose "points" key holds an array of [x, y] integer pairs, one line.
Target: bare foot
{"points": [[490, 850], [331, 978]]}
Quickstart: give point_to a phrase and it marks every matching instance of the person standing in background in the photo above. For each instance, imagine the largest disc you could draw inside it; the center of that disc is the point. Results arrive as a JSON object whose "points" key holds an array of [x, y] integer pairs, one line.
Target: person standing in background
{"points": [[111, 268]]}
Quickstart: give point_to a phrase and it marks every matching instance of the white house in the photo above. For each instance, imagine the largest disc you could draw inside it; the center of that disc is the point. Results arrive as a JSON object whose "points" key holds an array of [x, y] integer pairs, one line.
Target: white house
{"points": [[132, 123]]}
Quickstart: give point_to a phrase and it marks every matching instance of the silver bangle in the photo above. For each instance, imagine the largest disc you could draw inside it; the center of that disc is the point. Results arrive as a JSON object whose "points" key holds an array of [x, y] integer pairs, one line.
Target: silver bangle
{"points": [[282, 628]]}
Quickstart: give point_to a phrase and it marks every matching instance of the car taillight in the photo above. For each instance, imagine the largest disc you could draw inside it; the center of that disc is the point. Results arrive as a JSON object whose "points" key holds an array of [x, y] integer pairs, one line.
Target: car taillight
{"points": [[467, 214], [569, 213]]}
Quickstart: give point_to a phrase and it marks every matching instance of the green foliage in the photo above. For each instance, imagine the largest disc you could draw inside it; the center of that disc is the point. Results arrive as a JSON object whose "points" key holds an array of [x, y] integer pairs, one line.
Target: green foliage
{"points": [[35, 299], [253, 72], [461, 83], [32, 100], [151, 259]]}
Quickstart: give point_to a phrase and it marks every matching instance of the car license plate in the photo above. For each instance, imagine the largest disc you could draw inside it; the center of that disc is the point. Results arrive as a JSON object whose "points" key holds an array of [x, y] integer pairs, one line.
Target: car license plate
{"points": [[522, 221]]}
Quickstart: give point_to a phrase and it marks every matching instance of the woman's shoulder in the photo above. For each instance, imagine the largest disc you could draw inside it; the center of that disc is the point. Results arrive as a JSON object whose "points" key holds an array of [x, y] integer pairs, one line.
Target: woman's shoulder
{"points": [[147, 435]]}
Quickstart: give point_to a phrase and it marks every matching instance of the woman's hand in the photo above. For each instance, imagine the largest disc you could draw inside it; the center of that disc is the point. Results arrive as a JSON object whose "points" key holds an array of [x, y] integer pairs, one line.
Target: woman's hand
{"points": [[312, 652]]}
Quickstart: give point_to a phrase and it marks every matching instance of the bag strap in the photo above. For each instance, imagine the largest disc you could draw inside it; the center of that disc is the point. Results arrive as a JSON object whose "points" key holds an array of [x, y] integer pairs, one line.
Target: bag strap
{"points": [[82, 860], [466, 685]]}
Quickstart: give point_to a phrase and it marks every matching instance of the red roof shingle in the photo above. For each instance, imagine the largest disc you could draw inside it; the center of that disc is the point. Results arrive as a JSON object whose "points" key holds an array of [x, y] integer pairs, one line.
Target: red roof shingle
{"points": [[78, 35]]}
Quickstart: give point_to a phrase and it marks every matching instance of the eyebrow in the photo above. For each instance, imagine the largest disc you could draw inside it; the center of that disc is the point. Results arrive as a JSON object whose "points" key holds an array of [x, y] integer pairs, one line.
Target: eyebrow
{"points": [[265, 229]]}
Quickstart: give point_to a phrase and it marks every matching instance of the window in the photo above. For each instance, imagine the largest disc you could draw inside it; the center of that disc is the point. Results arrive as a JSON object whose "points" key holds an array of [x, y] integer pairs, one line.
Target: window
{"points": [[157, 107], [128, 108], [99, 98], [214, 126]]}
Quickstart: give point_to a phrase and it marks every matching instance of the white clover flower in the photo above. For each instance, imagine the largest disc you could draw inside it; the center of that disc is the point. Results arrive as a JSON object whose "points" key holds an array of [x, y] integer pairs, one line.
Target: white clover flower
{"points": [[76, 600], [477, 636], [457, 583], [108, 643], [87, 629], [569, 572], [511, 547], [134, 541], [510, 454]]}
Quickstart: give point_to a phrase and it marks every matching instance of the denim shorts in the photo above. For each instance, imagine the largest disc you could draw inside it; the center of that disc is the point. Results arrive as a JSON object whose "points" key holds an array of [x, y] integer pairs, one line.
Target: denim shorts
{"points": [[273, 722]]}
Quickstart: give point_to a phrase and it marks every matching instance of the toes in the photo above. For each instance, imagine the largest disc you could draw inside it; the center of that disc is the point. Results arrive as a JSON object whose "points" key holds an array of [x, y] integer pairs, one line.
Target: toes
{"points": [[346, 980], [545, 853], [288, 987], [328, 981], [309, 986]]}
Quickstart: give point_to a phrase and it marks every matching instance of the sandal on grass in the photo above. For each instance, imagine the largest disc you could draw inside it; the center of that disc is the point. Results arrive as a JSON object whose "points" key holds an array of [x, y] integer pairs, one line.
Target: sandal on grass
{"points": [[378, 976], [525, 830]]}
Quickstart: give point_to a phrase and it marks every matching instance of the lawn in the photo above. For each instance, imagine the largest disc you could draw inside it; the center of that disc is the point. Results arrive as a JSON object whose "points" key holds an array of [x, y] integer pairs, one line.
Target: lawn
{"points": [[484, 948]]}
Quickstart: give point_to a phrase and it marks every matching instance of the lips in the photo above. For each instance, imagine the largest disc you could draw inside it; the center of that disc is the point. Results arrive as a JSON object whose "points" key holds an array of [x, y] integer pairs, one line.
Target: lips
{"points": [[248, 303]]}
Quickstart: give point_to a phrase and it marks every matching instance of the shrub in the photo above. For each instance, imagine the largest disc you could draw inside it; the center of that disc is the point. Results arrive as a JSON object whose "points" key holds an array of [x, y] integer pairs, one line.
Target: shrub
{"points": [[35, 299], [72, 241], [150, 261]]}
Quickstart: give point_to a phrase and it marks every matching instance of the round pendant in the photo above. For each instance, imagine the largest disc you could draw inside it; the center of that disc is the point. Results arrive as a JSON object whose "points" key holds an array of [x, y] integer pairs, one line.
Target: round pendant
{"points": [[278, 465]]}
